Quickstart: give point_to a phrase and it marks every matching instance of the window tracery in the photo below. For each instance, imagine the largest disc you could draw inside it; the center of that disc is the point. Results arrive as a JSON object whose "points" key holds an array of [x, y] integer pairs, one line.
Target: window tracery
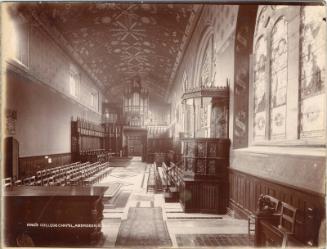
{"points": [[260, 89], [206, 66], [313, 68], [278, 69], [277, 112]]}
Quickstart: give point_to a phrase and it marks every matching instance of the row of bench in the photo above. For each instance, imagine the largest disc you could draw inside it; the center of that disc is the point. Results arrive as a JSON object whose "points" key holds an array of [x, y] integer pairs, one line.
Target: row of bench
{"points": [[71, 174]]}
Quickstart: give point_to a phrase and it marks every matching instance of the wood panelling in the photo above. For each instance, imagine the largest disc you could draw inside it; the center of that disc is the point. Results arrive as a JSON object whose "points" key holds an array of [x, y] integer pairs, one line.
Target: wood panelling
{"points": [[29, 165], [205, 175], [204, 196], [245, 190]]}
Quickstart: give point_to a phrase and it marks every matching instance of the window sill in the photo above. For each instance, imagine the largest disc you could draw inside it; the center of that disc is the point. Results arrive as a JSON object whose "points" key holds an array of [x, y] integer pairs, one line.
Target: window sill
{"points": [[300, 151]]}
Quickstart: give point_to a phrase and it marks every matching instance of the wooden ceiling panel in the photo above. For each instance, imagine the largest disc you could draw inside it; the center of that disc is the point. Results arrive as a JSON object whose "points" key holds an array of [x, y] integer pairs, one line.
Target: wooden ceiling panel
{"points": [[118, 41]]}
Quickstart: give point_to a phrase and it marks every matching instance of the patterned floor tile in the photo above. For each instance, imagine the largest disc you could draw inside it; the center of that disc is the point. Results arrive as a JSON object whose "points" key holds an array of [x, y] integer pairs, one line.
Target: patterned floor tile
{"points": [[204, 240]]}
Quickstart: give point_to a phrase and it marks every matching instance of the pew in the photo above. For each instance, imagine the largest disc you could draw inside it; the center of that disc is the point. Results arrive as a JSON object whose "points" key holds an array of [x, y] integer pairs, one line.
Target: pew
{"points": [[172, 178]]}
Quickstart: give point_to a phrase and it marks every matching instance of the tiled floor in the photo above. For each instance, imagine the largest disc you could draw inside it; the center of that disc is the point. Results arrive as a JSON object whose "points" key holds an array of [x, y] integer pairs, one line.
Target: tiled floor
{"points": [[185, 230], [204, 240]]}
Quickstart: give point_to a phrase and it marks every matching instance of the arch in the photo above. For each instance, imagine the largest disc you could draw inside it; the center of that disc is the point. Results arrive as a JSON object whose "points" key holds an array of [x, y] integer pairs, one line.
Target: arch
{"points": [[206, 35]]}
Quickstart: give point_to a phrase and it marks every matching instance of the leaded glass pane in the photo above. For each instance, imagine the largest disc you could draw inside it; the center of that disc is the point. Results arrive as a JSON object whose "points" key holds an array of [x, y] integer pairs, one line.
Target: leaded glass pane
{"points": [[278, 85], [313, 40], [260, 89], [262, 18], [206, 67]]}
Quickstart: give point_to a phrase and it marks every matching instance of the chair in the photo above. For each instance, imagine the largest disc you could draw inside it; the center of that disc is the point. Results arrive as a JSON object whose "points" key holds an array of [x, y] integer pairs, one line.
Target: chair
{"points": [[39, 178], [29, 181], [266, 204], [18, 183], [275, 203], [287, 221], [7, 182], [51, 181]]}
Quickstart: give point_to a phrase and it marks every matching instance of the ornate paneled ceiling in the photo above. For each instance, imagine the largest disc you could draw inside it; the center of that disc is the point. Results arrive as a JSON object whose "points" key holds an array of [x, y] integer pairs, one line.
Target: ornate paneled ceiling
{"points": [[119, 41]]}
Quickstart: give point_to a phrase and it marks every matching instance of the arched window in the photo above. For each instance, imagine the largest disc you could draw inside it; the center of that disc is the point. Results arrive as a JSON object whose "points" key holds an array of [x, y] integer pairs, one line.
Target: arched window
{"points": [[206, 67], [205, 56], [270, 75], [288, 96], [313, 70], [185, 82]]}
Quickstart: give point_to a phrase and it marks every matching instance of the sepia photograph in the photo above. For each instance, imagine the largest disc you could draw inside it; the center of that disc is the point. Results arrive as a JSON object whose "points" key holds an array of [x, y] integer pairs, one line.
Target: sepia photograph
{"points": [[171, 124]]}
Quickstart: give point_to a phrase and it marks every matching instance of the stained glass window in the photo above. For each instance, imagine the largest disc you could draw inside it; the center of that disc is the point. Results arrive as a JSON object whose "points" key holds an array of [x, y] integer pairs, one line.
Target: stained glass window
{"points": [[313, 68], [185, 83], [74, 80], [261, 18], [260, 89], [278, 84], [94, 99], [206, 66], [289, 74]]}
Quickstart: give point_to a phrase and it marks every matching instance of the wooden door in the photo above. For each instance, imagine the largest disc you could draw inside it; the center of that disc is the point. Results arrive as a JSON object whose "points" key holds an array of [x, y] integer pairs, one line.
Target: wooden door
{"points": [[135, 145]]}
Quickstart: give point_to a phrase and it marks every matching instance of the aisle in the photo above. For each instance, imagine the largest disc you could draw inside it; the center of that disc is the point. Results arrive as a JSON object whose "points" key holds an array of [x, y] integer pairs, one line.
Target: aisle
{"points": [[144, 227], [137, 217], [130, 174]]}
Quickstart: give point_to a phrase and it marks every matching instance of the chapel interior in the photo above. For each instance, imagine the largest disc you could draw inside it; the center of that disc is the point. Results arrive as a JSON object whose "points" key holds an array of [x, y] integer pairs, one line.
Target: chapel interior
{"points": [[163, 125]]}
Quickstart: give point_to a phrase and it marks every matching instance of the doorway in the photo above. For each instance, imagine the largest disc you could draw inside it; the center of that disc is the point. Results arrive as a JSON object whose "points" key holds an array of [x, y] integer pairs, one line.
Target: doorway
{"points": [[135, 145]]}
